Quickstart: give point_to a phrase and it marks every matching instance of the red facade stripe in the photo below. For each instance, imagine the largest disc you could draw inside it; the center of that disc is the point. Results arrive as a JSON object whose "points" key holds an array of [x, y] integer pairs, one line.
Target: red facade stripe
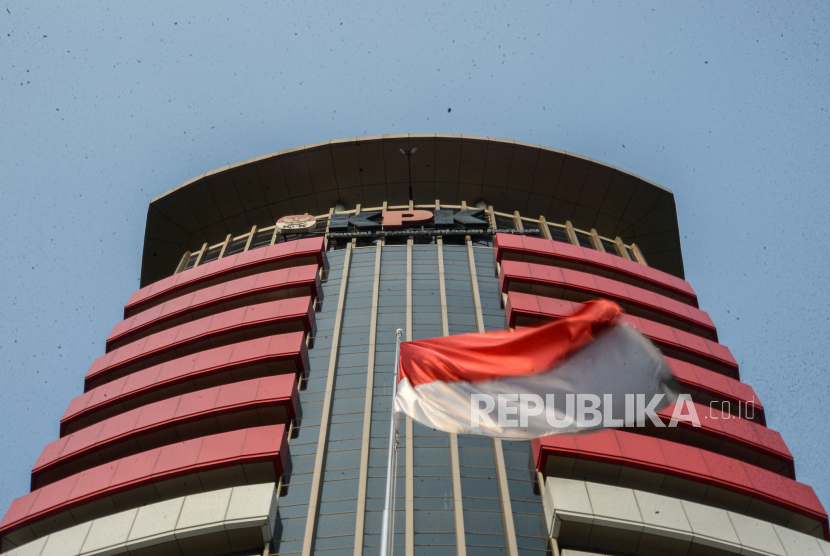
{"points": [[285, 315], [222, 268], [698, 379], [280, 353], [261, 444], [126, 432], [730, 434], [290, 282], [552, 281], [532, 308], [685, 462], [532, 249]]}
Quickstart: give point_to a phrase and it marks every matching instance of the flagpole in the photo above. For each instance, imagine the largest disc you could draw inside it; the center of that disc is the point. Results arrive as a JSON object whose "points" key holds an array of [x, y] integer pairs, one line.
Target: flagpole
{"points": [[384, 536]]}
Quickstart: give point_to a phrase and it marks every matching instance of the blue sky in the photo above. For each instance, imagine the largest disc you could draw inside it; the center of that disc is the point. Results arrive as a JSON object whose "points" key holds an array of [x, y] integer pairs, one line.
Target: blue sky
{"points": [[106, 106]]}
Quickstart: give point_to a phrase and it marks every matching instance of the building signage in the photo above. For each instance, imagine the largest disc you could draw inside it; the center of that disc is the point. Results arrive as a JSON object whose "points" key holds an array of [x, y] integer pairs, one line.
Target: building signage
{"points": [[296, 224], [400, 219]]}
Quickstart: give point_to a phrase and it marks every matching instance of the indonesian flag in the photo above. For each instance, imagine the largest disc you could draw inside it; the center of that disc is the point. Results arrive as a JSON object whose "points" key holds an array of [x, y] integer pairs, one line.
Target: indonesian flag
{"points": [[575, 374]]}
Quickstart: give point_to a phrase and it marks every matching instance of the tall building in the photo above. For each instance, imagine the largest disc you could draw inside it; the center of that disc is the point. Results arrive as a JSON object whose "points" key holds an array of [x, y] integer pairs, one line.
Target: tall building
{"points": [[243, 404]]}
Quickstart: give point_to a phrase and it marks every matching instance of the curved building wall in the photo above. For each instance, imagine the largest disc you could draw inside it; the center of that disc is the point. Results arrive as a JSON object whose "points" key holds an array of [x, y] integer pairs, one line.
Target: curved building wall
{"points": [[263, 363]]}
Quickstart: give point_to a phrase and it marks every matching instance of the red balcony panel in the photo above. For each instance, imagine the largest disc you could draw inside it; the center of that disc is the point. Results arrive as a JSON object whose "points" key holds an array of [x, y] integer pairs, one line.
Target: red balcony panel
{"points": [[773, 441], [51, 452], [735, 437], [169, 309], [144, 317], [693, 466], [126, 433], [643, 448], [155, 466], [634, 271], [581, 281], [194, 403], [805, 496], [567, 251], [726, 471], [718, 386], [519, 308], [307, 250], [508, 241], [272, 391], [284, 353], [115, 427], [551, 281], [93, 480], [216, 449], [610, 288], [598, 260], [162, 411], [50, 496], [163, 284], [239, 393], [214, 331], [571, 256], [134, 469], [252, 349], [601, 443], [207, 295], [525, 304], [258, 255], [256, 288], [246, 284], [679, 456], [204, 360]]}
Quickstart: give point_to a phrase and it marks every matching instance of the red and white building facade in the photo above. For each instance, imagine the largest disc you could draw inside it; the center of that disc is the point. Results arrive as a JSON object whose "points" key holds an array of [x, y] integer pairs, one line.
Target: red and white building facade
{"points": [[241, 406]]}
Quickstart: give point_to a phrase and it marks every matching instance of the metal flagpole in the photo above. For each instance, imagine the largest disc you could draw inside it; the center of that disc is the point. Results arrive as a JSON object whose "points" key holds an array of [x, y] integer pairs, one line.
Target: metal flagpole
{"points": [[387, 515]]}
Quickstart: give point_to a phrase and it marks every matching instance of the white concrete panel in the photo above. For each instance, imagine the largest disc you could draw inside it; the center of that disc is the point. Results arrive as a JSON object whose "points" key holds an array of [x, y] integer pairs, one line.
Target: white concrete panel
{"points": [[33, 548], [155, 523], [570, 496], [250, 504], [108, 535], [203, 513], [825, 547], [797, 544], [614, 504], [664, 513], [757, 537], [711, 526], [67, 542]]}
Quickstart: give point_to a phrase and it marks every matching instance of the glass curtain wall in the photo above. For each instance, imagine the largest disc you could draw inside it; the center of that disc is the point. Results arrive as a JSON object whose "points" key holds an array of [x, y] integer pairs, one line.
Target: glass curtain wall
{"points": [[433, 505]]}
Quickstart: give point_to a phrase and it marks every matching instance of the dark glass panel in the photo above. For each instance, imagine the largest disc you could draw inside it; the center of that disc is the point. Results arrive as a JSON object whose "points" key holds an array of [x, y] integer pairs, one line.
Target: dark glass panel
{"points": [[584, 240], [558, 233], [236, 246], [262, 238], [609, 246], [211, 255]]}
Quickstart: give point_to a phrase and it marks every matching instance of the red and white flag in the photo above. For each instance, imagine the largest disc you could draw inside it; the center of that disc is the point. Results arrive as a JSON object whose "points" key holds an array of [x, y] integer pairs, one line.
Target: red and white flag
{"points": [[579, 373]]}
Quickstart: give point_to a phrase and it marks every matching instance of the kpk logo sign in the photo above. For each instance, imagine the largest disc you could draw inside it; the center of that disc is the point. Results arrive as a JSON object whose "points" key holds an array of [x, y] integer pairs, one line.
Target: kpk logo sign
{"points": [[401, 219], [296, 224]]}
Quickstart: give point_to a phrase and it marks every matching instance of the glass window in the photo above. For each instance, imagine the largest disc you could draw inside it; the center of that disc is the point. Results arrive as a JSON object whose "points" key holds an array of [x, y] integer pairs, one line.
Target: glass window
{"points": [[505, 222], [191, 261], [237, 245], [610, 246], [584, 240], [262, 238], [558, 233], [211, 255]]}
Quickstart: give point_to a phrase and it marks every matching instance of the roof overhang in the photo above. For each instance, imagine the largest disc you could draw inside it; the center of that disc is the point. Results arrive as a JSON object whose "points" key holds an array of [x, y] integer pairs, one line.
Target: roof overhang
{"points": [[509, 175]]}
